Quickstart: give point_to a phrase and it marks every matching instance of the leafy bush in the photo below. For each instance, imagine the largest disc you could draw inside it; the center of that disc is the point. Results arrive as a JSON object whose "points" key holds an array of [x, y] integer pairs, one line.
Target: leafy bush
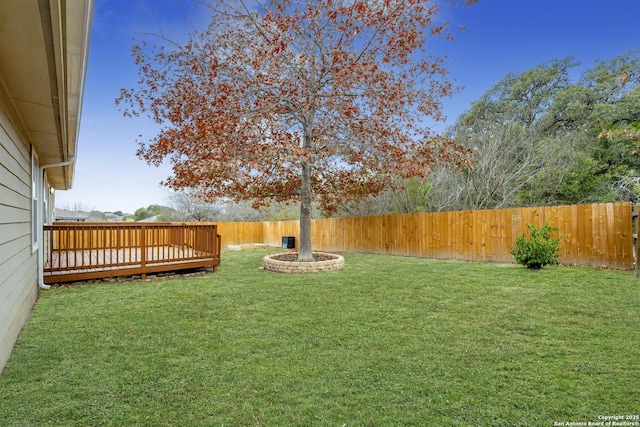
{"points": [[539, 249]]}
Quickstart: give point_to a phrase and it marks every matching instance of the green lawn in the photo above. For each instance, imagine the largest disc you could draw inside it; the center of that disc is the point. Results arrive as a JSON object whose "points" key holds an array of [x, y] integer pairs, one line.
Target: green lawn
{"points": [[386, 341]]}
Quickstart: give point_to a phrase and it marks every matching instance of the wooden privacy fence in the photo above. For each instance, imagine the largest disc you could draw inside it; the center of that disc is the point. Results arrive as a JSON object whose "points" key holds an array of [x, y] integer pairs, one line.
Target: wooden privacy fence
{"points": [[240, 232], [598, 235], [81, 251]]}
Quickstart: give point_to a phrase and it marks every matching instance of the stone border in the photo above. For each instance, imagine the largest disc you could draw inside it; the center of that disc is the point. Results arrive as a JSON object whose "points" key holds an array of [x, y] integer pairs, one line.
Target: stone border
{"points": [[286, 263]]}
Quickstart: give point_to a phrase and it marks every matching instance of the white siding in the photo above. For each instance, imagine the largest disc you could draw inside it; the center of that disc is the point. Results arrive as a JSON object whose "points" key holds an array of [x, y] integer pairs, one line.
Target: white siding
{"points": [[18, 263]]}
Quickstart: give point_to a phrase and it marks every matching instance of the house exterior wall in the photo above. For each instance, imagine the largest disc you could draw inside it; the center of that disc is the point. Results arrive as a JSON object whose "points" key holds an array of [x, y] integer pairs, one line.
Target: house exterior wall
{"points": [[18, 260]]}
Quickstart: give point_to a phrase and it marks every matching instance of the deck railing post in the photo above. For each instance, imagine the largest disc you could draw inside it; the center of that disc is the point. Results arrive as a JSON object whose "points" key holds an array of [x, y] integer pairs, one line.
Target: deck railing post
{"points": [[217, 247], [143, 250]]}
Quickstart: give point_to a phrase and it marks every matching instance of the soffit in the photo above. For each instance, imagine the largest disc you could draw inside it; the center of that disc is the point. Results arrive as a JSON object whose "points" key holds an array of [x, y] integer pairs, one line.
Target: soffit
{"points": [[43, 55]]}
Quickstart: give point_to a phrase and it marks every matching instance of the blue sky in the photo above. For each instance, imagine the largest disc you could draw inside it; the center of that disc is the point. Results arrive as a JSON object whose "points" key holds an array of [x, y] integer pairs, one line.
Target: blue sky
{"points": [[501, 36]]}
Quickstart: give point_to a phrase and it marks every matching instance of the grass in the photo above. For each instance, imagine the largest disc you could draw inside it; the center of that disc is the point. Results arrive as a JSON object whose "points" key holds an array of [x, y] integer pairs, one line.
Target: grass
{"points": [[386, 341]]}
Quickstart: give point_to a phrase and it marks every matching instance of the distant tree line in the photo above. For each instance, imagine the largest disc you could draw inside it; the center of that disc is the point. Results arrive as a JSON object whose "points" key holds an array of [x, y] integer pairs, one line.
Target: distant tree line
{"points": [[184, 206]]}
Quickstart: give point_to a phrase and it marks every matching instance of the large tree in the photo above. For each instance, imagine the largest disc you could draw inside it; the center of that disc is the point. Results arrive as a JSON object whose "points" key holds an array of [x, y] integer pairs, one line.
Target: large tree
{"points": [[301, 100]]}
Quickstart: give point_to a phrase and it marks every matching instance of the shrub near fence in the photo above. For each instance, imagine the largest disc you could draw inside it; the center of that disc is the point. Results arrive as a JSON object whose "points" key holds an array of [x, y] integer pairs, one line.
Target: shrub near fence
{"points": [[598, 235]]}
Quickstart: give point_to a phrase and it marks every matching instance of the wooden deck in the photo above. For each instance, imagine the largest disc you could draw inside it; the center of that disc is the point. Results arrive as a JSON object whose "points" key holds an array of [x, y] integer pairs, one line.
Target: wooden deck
{"points": [[83, 251]]}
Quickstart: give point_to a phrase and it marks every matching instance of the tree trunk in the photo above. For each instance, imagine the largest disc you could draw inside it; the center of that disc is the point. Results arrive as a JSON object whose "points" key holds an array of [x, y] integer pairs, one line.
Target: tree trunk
{"points": [[304, 253]]}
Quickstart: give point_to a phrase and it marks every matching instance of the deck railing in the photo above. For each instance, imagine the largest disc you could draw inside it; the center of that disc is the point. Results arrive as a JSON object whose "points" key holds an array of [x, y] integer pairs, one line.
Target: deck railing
{"points": [[82, 251]]}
